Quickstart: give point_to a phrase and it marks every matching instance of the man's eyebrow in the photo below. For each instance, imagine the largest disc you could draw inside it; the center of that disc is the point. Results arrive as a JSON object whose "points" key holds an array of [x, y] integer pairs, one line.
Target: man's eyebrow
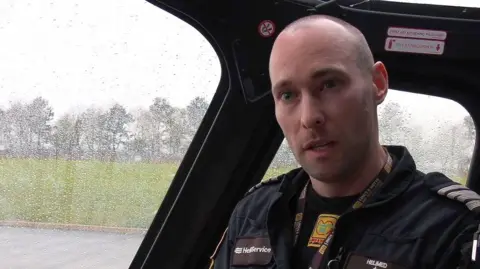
{"points": [[319, 73], [280, 85]]}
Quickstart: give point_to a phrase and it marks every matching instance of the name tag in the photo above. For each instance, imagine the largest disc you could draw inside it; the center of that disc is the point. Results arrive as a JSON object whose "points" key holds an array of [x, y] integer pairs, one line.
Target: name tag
{"points": [[252, 251], [360, 262]]}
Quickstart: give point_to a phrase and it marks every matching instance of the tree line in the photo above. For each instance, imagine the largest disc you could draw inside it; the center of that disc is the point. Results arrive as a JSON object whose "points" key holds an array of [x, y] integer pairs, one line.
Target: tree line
{"points": [[442, 146], [163, 132], [160, 133]]}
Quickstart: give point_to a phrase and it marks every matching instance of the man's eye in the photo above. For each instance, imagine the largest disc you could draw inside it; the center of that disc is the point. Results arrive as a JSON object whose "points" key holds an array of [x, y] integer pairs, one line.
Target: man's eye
{"points": [[329, 84], [286, 96]]}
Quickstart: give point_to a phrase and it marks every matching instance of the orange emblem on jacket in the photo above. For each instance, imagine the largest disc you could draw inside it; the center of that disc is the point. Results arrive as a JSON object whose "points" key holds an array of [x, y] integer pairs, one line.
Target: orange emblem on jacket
{"points": [[323, 227]]}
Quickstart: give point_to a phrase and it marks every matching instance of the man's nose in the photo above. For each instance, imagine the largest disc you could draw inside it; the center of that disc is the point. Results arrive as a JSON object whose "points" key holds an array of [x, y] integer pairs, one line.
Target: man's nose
{"points": [[312, 113]]}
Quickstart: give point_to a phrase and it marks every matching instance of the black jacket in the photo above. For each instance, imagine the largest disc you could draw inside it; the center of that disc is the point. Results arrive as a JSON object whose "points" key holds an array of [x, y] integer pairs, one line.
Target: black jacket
{"points": [[415, 220]]}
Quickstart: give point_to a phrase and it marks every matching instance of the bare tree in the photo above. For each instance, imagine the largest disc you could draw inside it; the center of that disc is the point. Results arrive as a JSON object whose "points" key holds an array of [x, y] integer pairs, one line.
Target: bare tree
{"points": [[40, 115], [195, 112], [66, 137], [145, 134], [19, 136], [161, 116], [90, 133], [176, 134], [115, 134], [4, 133]]}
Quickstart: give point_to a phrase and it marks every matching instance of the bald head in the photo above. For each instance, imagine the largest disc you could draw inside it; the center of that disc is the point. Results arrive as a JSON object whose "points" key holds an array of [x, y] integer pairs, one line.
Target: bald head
{"points": [[353, 39], [326, 88]]}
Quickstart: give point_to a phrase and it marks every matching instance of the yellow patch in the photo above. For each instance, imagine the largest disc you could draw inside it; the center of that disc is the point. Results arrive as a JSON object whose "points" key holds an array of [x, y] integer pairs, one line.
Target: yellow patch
{"points": [[325, 224]]}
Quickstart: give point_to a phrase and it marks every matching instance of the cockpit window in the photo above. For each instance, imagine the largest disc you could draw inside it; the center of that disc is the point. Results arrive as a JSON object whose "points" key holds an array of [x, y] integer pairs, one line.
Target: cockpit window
{"points": [[438, 132], [99, 101]]}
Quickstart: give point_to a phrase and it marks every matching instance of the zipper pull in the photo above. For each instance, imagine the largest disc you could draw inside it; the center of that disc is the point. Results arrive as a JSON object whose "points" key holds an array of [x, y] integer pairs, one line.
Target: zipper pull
{"points": [[335, 263], [340, 254]]}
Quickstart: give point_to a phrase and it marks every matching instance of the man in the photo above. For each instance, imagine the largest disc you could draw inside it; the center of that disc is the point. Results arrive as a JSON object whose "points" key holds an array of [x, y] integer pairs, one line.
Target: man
{"points": [[353, 204]]}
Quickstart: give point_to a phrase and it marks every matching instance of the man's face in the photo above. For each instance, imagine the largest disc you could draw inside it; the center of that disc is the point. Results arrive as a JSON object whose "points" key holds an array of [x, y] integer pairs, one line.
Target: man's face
{"points": [[325, 103]]}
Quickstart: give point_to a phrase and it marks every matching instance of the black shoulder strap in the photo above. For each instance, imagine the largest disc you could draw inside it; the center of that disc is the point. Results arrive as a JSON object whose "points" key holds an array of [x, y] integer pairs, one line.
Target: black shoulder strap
{"points": [[263, 183], [445, 187]]}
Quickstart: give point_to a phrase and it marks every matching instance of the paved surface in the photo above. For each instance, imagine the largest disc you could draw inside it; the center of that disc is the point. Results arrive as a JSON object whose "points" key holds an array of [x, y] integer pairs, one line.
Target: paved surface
{"points": [[25, 248]]}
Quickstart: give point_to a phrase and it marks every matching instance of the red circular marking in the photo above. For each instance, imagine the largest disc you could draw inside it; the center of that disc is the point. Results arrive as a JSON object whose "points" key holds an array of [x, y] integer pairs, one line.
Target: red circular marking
{"points": [[266, 28]]}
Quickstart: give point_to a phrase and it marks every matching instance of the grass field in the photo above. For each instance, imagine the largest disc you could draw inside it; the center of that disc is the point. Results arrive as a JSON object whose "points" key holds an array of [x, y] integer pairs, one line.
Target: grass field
{"points": [[85, 192]]}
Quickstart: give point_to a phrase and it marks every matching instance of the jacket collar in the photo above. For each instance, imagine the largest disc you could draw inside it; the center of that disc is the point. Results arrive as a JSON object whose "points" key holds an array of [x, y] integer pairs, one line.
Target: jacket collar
{"points": [[278, 217], [398, 180]]}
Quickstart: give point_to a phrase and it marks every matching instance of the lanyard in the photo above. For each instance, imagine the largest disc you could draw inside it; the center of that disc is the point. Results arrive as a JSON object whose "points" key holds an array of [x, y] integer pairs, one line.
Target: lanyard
{"points": [[374, 185]]}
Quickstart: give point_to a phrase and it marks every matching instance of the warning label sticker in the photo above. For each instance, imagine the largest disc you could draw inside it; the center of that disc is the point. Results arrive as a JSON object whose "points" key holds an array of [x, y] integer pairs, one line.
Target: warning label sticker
{"points": [[434, 47], [417, 33]]}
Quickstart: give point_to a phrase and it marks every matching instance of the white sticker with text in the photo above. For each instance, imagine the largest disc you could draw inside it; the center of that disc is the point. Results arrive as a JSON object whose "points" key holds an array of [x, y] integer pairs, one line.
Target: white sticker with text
{"points": [[417, 33], [433, 47]]}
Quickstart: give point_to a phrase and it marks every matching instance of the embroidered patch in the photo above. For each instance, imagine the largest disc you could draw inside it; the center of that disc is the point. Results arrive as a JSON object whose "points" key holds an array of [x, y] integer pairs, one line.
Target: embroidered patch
{"points": [[360, 262], [252, 251], [324, 225]]}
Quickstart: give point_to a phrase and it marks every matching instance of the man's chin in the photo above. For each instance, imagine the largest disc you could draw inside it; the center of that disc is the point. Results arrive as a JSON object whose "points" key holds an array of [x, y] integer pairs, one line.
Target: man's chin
{"points": [[325, 178], [323, 175]]}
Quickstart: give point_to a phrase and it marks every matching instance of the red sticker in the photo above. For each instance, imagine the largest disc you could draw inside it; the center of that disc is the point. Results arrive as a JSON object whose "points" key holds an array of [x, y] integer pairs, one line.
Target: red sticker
{"points": [[266, 28]]}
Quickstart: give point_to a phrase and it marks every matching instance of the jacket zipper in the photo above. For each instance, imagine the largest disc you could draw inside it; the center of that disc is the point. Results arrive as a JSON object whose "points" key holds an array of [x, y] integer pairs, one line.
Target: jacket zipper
{"points": [[339, 257], [335, 263]]}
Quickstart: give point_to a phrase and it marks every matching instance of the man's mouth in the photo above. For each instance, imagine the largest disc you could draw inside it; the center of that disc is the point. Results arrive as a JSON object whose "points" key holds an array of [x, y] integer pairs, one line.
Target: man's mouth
{"points": [[319, 145], [323, 145]]}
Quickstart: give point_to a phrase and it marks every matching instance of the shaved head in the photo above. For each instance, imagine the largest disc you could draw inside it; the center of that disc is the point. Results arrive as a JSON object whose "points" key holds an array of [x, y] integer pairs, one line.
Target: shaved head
{"points": [[359, 44], [326, 89]]}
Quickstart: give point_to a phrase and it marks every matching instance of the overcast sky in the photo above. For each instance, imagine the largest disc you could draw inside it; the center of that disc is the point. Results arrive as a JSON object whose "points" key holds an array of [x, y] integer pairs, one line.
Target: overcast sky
{"points": [[82, 53]]}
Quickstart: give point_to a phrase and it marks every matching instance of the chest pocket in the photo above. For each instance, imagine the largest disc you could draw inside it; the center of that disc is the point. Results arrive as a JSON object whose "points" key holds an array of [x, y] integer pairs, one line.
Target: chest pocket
{"points": [[252, 252], [384, 251]]}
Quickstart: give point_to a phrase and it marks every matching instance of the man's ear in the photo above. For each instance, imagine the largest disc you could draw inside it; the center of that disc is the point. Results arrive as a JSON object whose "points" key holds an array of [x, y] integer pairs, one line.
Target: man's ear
{"points": [[380, 82]]}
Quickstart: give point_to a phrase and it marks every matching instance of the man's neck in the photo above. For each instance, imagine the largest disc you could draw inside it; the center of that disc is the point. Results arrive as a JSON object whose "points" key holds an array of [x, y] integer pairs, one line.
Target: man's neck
{"points": [[357, 181]]}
